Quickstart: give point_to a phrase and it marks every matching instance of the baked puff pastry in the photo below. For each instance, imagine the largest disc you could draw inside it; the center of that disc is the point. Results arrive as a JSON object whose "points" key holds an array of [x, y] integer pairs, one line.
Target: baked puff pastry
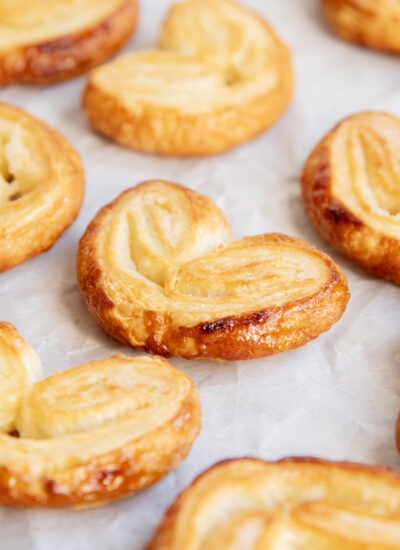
{"points": [[93, 433], [158, 271], [293, 504], [219, 76], [373, 23], [351, 190], [41, 186], [45, 41]]}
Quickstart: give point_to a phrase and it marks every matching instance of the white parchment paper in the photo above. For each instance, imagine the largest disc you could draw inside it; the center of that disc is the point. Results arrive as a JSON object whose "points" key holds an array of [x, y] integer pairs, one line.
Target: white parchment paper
{"points": [[337, 397]]}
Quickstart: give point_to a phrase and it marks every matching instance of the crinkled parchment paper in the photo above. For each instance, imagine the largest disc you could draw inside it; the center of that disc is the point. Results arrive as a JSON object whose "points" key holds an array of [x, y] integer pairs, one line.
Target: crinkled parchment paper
{"points": [[337, 397]]}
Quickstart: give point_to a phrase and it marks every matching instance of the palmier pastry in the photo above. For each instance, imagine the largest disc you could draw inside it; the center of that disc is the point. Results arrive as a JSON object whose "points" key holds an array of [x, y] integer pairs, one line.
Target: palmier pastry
{"points": [[293, 504], [351, 190], [92, 433], [219, 77], [41, 186], [44, 41], [158, 270], [373, 23]]}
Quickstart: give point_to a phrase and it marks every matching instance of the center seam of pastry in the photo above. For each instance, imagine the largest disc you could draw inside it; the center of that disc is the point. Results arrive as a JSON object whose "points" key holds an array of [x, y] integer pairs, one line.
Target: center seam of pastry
{"points": [[9, 187]]}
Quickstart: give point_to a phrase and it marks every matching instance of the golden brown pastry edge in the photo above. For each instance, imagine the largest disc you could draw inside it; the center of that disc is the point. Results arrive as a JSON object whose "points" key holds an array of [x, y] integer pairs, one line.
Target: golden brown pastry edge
{"points": [[71, 55]]}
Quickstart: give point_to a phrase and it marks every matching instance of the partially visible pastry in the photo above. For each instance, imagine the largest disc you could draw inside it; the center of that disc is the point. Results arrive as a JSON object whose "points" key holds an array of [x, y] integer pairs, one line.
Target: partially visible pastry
{"points": [[373, 23], [93, 433], [43, 41], [292, 504], [159, 272], [351, 191], [41, 186], [219, 76], [20, 368]]}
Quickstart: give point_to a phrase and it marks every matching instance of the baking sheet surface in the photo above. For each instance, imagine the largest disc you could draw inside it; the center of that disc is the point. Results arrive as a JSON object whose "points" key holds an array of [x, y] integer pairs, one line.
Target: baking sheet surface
{"points": [[337, 397]]}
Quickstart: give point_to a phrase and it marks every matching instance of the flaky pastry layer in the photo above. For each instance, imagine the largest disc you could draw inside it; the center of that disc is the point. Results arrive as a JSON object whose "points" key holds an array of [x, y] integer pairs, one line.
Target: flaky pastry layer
{"points": [[293, 504], [158, 271], [41, 186], [46, 41], [92, 433], [373, 23], [351, 191], [219, 76]]}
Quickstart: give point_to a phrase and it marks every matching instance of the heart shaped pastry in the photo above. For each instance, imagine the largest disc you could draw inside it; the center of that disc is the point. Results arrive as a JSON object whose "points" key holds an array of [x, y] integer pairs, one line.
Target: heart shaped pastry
{"points": [[351, 190], [41, 186], [219, 76], [373, 23], [92, 433], [293, 504], [158, 270], [46, 40]]}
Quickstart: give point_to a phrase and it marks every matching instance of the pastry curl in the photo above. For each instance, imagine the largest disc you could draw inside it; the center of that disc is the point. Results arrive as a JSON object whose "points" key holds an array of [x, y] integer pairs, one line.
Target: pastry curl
{"points": [[292, 504], [219, 77], [41, 186], [158, 270], [93, 433], [372, 23], [351, 191], [46, 41]]}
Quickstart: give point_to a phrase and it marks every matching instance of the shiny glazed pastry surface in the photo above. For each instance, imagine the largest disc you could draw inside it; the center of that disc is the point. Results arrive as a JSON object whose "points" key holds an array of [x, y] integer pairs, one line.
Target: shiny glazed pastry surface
{"points": [[219, 76], [41, 186], [373, 23], [293, 504], [92, 433], [159, 271], [48, 40], [351, 190]]}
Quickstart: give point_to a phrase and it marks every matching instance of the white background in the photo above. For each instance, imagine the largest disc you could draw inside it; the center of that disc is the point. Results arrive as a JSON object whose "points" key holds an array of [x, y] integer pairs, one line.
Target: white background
{"points": [[337, 397]]}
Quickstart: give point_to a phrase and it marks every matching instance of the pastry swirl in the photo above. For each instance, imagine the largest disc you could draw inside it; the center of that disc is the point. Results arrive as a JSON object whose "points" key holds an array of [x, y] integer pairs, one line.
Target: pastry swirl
{"points": [[373, 23], [158, 270], [351, 191], [41, 186], [45, 41], [92, 433], [295, 504], [220, 76]]}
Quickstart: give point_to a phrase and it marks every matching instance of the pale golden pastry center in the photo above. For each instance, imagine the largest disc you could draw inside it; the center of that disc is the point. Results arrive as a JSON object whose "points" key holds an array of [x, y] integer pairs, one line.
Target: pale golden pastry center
{"points": [[23, 162], [194, 271], [366, 174]]}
